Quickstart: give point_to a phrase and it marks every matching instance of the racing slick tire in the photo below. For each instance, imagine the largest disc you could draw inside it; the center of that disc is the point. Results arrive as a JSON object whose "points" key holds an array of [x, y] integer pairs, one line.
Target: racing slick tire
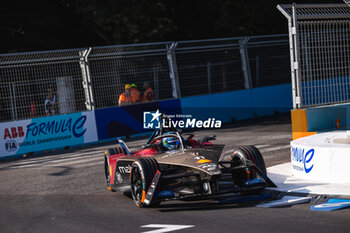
{"points": [[142, 174], [253, 154], [111, 151]]}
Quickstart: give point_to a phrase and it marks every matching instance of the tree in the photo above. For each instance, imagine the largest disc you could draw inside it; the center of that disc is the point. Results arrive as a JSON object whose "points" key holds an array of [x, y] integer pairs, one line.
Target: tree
{"points": [[126, 21], [42, 25]]}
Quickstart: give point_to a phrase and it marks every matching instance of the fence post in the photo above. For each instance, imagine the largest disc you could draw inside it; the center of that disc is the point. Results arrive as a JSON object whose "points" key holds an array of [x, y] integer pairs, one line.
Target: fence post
{"points": [[297, 99], [173, 70], [257, 70], [245, 63], [209, 76], [87, 84]]}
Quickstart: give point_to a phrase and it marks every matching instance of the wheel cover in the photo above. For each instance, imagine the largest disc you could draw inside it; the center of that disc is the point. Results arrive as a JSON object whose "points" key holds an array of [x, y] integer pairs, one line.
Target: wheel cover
{"points": [[136, 185]]}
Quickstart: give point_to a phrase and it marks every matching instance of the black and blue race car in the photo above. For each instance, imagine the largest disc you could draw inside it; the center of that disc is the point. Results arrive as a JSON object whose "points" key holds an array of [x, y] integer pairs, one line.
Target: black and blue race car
{"points": [[173, 165]]}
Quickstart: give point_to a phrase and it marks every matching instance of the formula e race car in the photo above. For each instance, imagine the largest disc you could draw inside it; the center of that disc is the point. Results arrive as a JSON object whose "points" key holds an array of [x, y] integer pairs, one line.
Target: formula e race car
{"points": [[173, 165]]}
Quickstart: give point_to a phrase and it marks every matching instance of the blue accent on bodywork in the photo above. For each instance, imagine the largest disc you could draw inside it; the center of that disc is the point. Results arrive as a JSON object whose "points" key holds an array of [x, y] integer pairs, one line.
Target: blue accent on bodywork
{"points": [[164, 194], [253, 182]]}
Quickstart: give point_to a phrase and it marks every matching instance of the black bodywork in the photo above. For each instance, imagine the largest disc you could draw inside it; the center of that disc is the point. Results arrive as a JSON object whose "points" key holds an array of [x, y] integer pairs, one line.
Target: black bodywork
{"points": [[194, 170]]}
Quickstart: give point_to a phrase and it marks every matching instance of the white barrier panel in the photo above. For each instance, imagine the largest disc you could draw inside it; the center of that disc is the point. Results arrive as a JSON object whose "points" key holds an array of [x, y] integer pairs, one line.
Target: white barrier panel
{"points": [[322, 157], [39, 134]]}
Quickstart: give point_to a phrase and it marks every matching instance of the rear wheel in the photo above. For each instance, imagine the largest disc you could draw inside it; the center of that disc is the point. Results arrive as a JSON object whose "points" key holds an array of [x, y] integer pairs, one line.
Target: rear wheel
{"points": [[108, 170], [142, 173]]}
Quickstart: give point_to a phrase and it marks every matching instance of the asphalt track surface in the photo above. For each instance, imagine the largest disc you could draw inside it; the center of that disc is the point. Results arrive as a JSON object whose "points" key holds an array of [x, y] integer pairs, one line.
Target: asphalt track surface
{"points": [[66, 192]]}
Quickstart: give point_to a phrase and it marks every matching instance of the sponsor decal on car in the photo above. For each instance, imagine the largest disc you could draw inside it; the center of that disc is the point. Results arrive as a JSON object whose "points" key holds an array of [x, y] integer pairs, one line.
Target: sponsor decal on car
{"points": [[204, 161], [119, 177], [208, 166], [124, 169]]}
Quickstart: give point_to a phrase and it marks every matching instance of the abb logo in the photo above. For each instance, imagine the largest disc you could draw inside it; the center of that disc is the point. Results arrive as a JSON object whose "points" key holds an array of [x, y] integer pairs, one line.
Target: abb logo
{"points": [[14, 132]]}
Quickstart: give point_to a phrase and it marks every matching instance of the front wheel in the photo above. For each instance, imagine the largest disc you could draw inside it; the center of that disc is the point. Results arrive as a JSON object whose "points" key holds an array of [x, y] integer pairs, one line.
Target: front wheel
{"points": [[142, 173], [252, 154]]}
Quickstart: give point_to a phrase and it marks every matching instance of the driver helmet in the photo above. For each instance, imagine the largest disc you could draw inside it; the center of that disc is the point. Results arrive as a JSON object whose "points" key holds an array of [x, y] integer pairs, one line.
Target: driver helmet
{"points": [[170, 143]]}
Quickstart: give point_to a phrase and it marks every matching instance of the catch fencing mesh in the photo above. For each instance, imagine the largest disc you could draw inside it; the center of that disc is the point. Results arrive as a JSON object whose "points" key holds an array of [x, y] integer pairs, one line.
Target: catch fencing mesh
{"points": [[28, 80], [113, 67], [324, 58], [320, 53], [65, 81]]}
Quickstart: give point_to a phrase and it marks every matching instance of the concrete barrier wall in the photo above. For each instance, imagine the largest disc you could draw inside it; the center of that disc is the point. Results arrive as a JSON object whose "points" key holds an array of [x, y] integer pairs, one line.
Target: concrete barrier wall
{"points": [[55, 132], [326, 117], [310, 121]]}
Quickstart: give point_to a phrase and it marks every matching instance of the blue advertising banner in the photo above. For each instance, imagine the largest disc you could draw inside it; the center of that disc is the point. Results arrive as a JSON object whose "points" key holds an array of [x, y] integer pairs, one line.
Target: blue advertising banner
{"points": [[38, 134]]}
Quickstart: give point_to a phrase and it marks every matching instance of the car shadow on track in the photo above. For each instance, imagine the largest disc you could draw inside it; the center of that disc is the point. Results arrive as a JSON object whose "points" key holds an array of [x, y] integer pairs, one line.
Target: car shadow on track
{"points": [[64, 171], [203, 206], [228, 203]]}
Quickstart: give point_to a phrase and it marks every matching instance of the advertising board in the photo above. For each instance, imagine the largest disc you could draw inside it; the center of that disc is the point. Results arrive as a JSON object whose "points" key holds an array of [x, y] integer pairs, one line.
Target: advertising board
{"points": [[44, 133]]}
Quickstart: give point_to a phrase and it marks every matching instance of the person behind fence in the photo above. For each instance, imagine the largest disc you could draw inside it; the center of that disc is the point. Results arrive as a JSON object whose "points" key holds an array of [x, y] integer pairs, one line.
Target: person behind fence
{"points": [[32, 112], [148, 95], [125, 98], [50, 103], [135, 94], [49, 109]]}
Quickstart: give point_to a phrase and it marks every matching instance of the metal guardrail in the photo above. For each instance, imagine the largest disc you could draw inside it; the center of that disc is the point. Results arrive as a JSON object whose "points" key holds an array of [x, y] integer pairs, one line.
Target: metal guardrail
{"points": [[90, 78]]}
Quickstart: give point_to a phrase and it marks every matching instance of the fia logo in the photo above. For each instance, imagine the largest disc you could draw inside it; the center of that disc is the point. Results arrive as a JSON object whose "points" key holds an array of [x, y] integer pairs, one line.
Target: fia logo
{"points": [[151, 120], [11, 145]]}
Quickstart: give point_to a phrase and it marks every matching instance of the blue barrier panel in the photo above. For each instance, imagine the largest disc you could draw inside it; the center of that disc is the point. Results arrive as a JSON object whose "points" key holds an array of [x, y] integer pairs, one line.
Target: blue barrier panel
{"points": [[128, 120], [45, 133], [325, 91], [226, 106], [271, 99], [324, 117], [239, 105]]}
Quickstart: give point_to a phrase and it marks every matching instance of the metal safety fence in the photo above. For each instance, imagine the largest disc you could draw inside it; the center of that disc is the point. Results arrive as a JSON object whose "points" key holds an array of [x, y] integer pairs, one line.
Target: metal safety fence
{"points": [[320, 53], [65, 81]]}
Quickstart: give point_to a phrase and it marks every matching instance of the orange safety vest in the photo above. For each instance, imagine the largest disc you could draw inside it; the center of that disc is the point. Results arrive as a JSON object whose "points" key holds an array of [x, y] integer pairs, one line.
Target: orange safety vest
{"points": [[148, 95], [135, 95], [124, 99]]}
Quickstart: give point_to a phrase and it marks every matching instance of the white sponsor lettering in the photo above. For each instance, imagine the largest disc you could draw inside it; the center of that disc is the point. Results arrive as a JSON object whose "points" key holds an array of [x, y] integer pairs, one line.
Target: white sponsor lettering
{"points": [[126, 169]]}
